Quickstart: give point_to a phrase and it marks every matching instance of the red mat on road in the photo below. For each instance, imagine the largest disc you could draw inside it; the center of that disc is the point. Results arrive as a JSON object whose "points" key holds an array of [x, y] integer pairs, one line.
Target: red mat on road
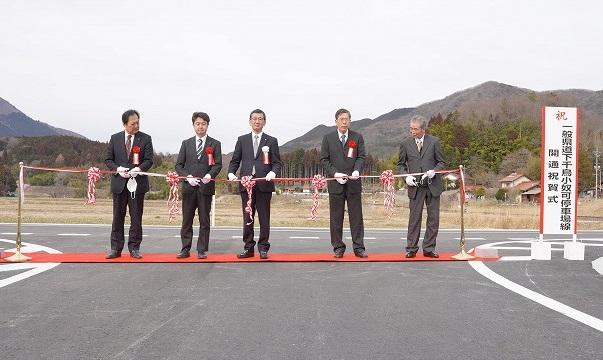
{"points": [[230, 258]]}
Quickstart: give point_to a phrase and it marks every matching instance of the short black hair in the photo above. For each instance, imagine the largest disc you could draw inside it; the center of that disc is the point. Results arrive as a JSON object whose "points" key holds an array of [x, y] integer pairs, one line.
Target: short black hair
{"points": [[257, 111], [342, 111], [127, 114], [202, 115]]}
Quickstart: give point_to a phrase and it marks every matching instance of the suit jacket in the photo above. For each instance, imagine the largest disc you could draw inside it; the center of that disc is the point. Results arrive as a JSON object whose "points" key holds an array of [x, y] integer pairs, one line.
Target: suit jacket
{"points": [[244, 158], [117, 156], [430, 158], [333, 158], [188, 164]]}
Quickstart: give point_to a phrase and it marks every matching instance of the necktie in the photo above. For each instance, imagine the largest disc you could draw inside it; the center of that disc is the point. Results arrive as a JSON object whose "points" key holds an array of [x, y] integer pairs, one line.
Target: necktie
{"points": [[255, 151], [419, 145], [255, 144], [129, 145], [343, 141], [199, 148]]}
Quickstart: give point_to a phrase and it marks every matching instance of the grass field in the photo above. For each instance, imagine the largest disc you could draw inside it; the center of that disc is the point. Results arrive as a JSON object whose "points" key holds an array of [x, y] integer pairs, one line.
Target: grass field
{"points": [[294, 210]]}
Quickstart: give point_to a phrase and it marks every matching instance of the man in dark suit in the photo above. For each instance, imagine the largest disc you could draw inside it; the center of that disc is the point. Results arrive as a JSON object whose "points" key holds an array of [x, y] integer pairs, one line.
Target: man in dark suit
{"points": [[422, 153], [342, 156], [256, 155], [200, 160], [129, 152]]}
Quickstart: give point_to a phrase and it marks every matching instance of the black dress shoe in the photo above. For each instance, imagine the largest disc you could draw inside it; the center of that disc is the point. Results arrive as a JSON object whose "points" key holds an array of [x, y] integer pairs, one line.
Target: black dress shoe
{"points": [[411, 254], [201, 255], [245, 254], [135, 254], [113, 254], [183, 254], [264, 255], [431, 254], [338, 254], [360, 254]]}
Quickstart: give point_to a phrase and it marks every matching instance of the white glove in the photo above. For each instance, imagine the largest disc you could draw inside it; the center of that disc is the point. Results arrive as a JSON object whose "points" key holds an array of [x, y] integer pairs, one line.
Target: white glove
{"points": [[355, 175], [430, 173], [206, 179], [123, 172], [341, 178], [232, 177], [270, 176], [411, 181], [192, 181], [134, 171]]}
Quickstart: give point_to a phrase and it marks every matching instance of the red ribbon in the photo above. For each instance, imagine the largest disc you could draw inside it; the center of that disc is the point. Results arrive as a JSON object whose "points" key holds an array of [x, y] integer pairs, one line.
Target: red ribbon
{"points": [[387, 179], [173, 201], [94, 175], [248, 184], [319, 182]]}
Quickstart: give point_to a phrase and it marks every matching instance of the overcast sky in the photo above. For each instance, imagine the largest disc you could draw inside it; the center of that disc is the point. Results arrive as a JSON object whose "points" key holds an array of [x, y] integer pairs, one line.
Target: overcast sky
{"points": [[79, 64]]}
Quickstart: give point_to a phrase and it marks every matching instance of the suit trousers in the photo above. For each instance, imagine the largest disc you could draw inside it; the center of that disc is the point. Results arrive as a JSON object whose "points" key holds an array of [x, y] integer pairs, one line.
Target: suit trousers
{"points": [[260, 201], [195, 202], [423, 196], [135, 206], [336, 211]]}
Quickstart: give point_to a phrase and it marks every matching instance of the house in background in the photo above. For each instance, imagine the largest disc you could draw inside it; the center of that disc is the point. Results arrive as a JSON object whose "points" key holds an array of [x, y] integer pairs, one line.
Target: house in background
{"points": [[529, 191], [512, 180]]}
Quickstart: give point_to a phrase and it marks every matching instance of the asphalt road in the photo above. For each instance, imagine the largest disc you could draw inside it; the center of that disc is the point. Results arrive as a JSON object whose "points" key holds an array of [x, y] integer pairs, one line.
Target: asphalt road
{"points": [[416, 310]]}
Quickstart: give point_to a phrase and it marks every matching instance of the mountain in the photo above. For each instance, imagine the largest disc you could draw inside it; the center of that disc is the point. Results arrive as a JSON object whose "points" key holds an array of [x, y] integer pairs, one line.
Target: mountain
{"points": [[14, 123], [490, 100]]}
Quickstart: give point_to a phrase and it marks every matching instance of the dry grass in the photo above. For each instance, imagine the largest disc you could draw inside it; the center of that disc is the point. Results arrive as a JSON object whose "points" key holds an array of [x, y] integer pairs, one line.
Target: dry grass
{"points": [[293, 210]]}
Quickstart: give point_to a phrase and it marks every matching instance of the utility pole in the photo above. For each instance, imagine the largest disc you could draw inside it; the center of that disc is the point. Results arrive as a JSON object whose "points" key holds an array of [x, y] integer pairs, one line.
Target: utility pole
{"points": [[597, 172]]}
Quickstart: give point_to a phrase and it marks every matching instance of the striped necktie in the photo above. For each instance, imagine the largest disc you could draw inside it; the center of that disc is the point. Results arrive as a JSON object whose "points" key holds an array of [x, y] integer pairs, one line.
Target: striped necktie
{"points": [[199, 148]]}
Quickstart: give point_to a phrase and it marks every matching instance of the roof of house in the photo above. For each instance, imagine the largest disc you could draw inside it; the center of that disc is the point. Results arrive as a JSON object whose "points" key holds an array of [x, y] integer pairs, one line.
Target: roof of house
{"points": [[531, 192], [511, 177], [525, 186]]}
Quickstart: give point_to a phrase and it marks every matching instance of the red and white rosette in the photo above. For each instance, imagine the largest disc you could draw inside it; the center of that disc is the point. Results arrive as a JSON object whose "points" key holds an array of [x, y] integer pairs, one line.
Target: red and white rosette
{"points": [[248, 184], [136, 155], [266, 155], [319, 182], [210, 156], [173, 201], [351, 148], [387, 179], [94, 175]]}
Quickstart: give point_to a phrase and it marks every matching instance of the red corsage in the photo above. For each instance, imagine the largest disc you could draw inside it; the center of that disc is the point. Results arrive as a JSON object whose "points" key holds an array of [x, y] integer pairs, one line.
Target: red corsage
{"points": [[210, 155], [351, 147], [136, 155]]}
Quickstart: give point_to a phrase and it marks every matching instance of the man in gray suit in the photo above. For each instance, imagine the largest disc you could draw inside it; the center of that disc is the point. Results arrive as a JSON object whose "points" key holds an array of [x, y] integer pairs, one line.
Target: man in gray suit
{"points": [[200, 160], [257, 155], [422, 153], [342, 156]]}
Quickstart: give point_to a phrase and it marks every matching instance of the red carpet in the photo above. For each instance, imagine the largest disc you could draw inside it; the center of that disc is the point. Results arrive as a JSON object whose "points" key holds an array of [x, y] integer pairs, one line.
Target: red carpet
{"points": [[230, 258]]}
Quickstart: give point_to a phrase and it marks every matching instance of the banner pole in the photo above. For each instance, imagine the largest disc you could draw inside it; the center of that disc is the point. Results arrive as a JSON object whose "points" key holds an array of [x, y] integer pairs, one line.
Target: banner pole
{"points": [[462, 255], [18, 257]]}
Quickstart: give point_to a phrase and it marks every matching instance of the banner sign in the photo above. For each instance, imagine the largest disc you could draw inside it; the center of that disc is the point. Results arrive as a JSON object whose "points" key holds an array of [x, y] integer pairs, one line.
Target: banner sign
{"points": [[559, 170]]}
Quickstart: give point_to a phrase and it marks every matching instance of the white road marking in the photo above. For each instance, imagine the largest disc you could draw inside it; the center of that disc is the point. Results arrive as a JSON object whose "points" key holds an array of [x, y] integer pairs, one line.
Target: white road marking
{"points": [[73, 234], [469, 238], [35, 268], [555, 305], [12, 233], [304, 237], [516, 258], [365, 238]]}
